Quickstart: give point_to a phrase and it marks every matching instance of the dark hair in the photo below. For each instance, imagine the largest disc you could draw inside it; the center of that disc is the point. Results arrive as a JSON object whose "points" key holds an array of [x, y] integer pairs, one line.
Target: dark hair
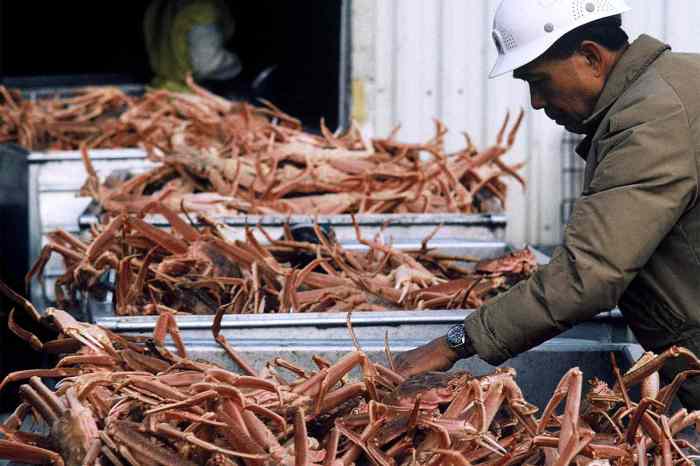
{"points": [[606, 32]]}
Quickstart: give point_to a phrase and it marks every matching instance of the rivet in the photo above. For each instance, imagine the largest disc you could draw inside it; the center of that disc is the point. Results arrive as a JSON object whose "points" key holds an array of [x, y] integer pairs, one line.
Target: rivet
{"points": [[549, 27], [590, 7]]}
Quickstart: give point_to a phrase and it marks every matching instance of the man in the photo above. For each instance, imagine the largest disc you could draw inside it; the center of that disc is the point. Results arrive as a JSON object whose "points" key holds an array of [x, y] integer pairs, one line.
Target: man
{"points": [[188, 36], [634, 236]]}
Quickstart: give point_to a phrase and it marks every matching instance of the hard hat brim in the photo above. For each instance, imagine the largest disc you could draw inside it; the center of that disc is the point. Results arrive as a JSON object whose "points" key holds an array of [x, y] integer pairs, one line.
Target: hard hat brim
{"points": [[509, 62]]}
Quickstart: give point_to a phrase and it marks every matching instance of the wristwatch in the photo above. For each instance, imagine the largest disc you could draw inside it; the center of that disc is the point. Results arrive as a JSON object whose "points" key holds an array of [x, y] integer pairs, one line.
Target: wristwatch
{"points": [[458, 340]]}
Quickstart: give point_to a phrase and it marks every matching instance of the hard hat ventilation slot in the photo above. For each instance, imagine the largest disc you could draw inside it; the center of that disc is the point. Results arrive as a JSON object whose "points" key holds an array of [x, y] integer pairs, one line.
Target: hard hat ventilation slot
{"points": [[508, 40], [583, 8]]}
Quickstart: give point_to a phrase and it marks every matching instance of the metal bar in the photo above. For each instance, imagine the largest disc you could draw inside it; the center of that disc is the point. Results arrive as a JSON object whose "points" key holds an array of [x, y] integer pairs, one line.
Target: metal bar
{"points": [[345, 66], [488, 220], [397, 227], [312, 346], [95, 155], [321, 320]]}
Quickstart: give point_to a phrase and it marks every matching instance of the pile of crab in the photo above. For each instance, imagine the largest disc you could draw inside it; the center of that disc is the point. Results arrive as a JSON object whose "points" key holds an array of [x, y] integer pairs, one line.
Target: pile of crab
{"points": [[227, 158], [128, 401], [222, 157], [90, 116], [107, 117], [190, 270], [270, 166]]}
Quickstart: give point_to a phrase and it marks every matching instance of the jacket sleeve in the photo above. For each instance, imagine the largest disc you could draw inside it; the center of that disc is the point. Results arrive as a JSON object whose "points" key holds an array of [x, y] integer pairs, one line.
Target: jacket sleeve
{"points": [[645, 179]]}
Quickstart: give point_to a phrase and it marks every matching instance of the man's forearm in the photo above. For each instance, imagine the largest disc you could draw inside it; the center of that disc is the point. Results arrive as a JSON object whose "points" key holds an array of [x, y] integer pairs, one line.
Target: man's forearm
{"points": [[532, 312], [434, 356]]}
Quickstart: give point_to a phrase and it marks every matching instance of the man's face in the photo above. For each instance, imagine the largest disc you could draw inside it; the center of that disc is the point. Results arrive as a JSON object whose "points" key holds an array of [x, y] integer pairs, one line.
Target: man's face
{"points": [[566, 89]]}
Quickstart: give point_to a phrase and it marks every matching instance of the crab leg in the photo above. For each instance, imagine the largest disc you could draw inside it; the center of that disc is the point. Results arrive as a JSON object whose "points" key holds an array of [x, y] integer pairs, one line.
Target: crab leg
{"points": [[455, 457], [233, 354], [23, 334], [160, 237], [23, 453], [185, 230], [237, 433], [569, 440], [332, 448], [14, 420], [265, 412], [665, 395], [301, 444], [166, 323], [45, 410], [640, 373], [194, 440], [319, 384], [195, 400], [49, 373], [341, 395], [100, 243], [244, 381], [127, 434], [92, 453], [640, 413]]}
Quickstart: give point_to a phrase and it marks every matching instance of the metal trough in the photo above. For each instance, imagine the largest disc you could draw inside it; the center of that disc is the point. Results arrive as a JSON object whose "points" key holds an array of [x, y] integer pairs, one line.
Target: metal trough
{"points": [[53, 183], [538, 371]]}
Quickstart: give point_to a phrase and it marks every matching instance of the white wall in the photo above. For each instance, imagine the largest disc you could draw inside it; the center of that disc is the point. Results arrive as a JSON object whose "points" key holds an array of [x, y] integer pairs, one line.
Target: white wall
{"points": [[415, 60]]}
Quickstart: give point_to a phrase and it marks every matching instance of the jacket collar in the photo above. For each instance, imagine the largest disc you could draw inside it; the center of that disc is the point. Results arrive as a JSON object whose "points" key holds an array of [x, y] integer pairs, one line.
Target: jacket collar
{"points": [[634, 62]]}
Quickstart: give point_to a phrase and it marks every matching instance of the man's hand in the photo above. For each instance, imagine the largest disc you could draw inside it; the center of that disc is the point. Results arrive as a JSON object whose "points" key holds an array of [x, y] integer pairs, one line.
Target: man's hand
{"points": [[435, 356]]}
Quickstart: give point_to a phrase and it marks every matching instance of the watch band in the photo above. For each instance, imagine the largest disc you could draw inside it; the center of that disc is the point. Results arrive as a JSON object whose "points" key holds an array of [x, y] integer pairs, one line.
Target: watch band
{"points": [[458, 340]]}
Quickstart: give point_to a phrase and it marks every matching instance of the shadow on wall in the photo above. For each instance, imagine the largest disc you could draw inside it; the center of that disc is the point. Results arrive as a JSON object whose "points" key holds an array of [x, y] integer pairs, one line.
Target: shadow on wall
{"points": [[572, 169]]}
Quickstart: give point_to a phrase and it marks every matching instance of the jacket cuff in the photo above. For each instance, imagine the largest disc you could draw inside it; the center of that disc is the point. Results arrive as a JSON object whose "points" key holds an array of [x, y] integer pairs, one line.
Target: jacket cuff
{"points": [[484, 340]]}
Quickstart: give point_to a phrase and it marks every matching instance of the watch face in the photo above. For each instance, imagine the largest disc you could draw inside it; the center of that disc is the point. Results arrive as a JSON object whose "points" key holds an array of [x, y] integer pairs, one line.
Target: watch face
{"points": [[455, 336]]}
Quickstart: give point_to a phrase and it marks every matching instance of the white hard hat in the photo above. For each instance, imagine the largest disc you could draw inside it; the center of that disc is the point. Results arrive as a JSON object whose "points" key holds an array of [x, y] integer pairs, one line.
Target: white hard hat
{"points": [[525, 29]]}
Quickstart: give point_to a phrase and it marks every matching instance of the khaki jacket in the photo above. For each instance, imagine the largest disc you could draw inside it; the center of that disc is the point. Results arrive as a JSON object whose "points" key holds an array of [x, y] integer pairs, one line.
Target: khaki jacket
{"points": [[634, 236]]}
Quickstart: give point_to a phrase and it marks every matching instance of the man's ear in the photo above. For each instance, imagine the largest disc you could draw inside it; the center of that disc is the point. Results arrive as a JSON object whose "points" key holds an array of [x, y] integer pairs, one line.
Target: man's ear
{"points": [[594, 55]]}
